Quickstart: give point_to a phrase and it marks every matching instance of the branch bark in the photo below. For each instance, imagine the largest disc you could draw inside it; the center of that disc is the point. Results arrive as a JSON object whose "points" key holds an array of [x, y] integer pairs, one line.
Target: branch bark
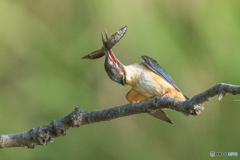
{"points": [[47, 134]]}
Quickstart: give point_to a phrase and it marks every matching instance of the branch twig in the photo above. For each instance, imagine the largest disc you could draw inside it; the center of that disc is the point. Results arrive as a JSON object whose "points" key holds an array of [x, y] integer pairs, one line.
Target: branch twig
{"points": [[47, 134]]}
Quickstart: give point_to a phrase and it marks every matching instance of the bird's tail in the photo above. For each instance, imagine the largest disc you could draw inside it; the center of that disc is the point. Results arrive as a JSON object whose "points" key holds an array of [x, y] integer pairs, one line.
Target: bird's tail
{"points": [[161, 114]]}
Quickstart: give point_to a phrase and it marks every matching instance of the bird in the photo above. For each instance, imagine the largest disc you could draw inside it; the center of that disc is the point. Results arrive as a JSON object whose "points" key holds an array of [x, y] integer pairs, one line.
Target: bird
{"points": [[147, 79]]}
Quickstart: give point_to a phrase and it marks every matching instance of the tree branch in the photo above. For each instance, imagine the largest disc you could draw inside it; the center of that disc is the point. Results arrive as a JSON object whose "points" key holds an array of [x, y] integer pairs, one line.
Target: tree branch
{"points": [[47, 134]]}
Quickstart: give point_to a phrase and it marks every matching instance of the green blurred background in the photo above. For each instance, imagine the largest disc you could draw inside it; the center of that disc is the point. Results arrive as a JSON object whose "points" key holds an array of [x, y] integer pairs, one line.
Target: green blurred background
{"points": [[42, 75]]}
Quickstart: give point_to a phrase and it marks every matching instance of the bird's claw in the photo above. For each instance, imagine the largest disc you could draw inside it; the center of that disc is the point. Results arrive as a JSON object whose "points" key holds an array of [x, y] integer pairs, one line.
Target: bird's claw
{"points": [[165, 95], [134, 102]]}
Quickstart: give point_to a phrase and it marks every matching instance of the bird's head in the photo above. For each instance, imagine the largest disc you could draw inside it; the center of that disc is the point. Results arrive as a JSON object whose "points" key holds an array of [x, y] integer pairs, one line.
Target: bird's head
{"points": [[114, 68]]}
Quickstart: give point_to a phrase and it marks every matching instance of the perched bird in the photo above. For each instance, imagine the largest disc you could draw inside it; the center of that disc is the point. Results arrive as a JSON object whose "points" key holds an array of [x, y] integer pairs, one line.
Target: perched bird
{"points": [[147, 79]]}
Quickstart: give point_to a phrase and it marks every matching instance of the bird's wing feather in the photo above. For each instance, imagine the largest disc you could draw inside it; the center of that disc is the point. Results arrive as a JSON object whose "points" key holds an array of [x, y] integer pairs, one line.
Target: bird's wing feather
{"points": [[134, 95], [156, 68]]}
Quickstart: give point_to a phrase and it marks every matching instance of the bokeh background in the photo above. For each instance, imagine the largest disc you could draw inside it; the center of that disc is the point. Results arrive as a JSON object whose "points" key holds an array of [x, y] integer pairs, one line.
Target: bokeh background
{"points": [[42, 75]]}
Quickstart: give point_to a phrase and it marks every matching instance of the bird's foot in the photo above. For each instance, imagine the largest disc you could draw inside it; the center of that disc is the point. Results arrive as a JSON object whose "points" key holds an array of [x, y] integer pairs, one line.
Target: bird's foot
{"points": [[133, 102], [165, 95]]}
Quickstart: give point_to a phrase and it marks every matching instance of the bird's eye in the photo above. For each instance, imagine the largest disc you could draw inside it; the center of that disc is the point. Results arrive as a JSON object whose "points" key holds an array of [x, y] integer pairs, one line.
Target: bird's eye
{"points": [[114, 66]]}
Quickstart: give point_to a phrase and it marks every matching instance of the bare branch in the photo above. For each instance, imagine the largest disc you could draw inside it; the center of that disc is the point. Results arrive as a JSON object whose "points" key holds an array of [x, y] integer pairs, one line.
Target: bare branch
{"points": [[47, 134]]}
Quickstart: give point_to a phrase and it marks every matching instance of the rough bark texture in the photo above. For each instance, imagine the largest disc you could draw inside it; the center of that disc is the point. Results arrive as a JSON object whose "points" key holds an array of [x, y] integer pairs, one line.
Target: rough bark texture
{"points": [[47, 134]]}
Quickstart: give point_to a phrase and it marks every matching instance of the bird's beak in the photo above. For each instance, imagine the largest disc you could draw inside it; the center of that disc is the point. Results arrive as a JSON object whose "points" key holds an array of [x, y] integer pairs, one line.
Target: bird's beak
{"points": [[108, 53]]}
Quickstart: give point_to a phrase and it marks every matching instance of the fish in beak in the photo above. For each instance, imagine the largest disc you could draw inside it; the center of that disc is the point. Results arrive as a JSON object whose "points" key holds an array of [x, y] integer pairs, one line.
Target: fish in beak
{"points": [[114, 39]]}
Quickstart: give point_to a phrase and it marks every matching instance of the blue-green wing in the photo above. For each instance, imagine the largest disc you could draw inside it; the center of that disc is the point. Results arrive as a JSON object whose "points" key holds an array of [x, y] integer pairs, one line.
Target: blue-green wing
{"points": [[155, 67]]}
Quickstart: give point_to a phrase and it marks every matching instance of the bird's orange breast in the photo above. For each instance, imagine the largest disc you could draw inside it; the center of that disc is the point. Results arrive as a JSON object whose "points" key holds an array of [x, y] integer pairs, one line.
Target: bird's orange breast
{"points": [[149, 83]]}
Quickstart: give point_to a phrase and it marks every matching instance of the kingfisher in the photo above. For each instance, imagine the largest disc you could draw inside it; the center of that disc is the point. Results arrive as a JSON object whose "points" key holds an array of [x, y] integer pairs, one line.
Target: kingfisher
{"points": [[147, 79]]}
